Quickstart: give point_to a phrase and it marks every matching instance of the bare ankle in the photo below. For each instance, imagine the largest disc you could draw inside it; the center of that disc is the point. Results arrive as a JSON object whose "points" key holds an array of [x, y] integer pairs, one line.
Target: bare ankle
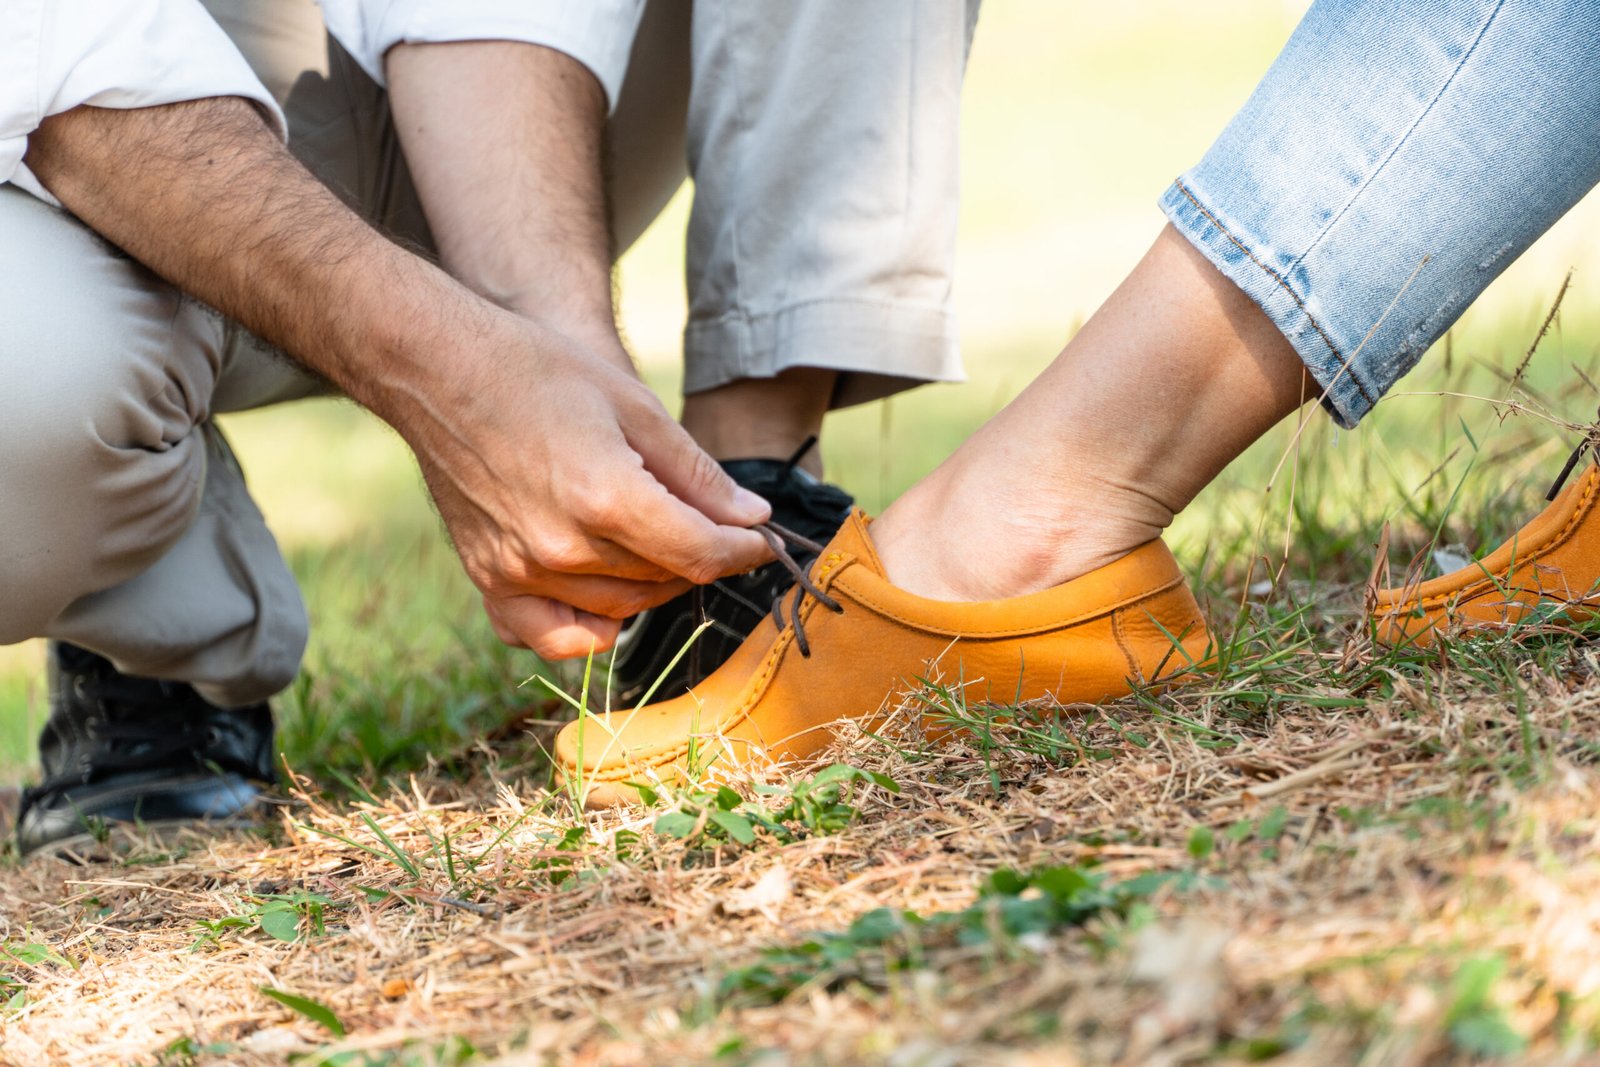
{"points": [[978, 549], [762, 418]]}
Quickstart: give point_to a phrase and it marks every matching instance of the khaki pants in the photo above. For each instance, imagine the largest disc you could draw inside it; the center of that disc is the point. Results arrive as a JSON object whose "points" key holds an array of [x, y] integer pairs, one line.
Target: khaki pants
{"points": [[822, 138]]}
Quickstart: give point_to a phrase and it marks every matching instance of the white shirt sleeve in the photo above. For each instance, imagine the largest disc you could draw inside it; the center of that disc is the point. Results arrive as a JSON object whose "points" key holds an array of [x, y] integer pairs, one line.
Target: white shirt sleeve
{"points": [[58, 54], [597, 33]]}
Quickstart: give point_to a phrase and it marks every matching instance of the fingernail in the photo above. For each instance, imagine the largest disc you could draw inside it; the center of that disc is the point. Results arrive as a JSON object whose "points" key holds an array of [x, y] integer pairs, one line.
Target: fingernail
{"points": [[755, 508]]}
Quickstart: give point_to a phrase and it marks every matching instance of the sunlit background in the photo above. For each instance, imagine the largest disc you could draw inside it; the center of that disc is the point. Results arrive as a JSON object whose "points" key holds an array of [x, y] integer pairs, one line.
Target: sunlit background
{"points": [[1076, 117]]}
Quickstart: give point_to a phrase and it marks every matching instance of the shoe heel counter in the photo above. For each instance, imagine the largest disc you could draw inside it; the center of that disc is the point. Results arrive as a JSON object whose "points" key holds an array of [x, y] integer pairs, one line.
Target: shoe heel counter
{"points": [[1163, 634]]}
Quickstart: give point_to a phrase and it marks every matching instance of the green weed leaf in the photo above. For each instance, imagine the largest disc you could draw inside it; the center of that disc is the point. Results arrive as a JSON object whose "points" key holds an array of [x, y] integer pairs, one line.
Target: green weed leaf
{"points": [[314, 1010], [281, 920], [679, 824], [735, 826]]}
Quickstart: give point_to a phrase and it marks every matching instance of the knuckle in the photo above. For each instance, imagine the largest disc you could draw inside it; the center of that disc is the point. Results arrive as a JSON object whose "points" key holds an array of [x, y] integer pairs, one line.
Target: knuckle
{"points": [[563, 554], [703, 570], [704, 474], [631, 603], [604, 508]]}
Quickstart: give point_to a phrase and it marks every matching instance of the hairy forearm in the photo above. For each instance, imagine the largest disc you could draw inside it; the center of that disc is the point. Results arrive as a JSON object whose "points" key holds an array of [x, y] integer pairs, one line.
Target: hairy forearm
{"points": [[572, 497], [204, 195], [504, 141]]}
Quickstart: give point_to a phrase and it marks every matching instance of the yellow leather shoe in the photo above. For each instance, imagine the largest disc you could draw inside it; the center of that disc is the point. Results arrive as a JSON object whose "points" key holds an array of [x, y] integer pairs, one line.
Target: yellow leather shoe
{"points": [[841, 643], [1550, 567]]}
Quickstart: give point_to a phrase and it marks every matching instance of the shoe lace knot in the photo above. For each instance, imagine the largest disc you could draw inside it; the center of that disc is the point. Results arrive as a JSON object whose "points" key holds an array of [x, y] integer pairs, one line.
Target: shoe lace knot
{"points": [[778, 539]]}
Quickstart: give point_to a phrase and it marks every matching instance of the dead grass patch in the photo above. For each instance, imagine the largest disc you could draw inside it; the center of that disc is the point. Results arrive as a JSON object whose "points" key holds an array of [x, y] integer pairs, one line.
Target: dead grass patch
{"points": [[1407, 881]]}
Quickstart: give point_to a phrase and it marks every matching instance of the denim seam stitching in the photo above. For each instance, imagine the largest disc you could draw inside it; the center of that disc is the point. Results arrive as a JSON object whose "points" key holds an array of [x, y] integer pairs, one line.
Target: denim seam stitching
{"points": [[1404, 137], [1283, 284]]}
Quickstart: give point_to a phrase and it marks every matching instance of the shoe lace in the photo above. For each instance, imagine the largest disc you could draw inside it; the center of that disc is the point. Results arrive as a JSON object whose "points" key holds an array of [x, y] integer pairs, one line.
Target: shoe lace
{"points": [[776, 536], [812, 504], [1591, 440], [126, 736]]}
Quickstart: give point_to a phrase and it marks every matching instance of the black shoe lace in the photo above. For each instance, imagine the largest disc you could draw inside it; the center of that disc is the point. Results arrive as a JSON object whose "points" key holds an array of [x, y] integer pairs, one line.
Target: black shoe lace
{"points": [[776, 536], [126, 737]]}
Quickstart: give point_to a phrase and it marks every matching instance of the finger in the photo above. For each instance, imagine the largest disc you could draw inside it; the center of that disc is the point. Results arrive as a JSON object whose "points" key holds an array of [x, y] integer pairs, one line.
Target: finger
{"points": [[666, 531], [673, 458], [613, 598], [555, 630], [592, 555], [638, 514], [497, 624]]}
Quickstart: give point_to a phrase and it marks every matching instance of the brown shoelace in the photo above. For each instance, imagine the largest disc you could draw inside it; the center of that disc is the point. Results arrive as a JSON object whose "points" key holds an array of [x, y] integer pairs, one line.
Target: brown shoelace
{"points": [[776, 536], [1591, 439]]}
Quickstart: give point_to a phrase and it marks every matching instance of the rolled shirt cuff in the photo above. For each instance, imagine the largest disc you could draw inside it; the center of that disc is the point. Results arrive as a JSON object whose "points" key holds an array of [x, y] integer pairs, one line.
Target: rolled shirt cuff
{"points": [[113, 54], [597, 33]]}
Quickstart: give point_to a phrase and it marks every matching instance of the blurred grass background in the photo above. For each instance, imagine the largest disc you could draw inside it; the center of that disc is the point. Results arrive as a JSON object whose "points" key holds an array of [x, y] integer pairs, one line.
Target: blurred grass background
{"points": [[1076, 116]]}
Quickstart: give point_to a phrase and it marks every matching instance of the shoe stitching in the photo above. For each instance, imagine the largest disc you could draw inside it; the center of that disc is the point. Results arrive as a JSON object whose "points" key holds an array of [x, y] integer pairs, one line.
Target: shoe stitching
{"points": [[760, 679], [835, 562], [1122, 643], [1487, 583]]}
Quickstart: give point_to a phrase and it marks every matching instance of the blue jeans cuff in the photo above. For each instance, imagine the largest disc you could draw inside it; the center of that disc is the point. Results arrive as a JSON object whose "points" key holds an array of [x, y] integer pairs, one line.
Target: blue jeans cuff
{"points": [[1242, 261]]}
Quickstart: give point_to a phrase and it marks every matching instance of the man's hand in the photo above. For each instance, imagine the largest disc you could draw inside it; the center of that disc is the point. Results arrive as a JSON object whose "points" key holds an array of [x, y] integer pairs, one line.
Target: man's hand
{"points": [[572, 497]]}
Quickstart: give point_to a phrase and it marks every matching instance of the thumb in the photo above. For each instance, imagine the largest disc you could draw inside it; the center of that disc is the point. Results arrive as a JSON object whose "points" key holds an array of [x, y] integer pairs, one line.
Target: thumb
{"points": [[674, 459]]}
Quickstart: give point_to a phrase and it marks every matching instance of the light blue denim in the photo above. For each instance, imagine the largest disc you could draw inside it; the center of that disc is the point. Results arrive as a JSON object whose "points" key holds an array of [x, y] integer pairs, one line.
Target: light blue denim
{"points": [[1394, 160]]}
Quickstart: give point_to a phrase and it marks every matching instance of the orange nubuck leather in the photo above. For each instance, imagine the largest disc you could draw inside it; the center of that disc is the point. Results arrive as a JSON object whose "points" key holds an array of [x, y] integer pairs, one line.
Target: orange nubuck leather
{"points": [[1084, 641], [1552, 563]]}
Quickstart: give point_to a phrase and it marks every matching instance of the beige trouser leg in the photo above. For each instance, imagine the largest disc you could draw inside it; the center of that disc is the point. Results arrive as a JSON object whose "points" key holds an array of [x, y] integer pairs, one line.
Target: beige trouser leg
{"points": [[823, 141], [124, 523], [823, 144]]}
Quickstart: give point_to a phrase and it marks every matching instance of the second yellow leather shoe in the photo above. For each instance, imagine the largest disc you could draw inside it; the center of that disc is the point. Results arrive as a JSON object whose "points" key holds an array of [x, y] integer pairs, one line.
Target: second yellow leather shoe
{"points": [[1550, 567], [844, 646]]}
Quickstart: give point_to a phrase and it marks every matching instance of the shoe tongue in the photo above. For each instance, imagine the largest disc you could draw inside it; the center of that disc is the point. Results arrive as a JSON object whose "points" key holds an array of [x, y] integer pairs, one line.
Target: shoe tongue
{"points": [[854, 539]]}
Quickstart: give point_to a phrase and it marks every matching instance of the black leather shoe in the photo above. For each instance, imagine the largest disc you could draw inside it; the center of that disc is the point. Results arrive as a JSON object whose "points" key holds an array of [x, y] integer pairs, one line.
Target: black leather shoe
{"points": [[733, 605], [139, 752]]}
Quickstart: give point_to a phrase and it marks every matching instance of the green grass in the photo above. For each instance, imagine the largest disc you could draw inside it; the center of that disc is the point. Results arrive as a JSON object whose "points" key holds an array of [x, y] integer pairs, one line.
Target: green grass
{"points": [[403, 666]]}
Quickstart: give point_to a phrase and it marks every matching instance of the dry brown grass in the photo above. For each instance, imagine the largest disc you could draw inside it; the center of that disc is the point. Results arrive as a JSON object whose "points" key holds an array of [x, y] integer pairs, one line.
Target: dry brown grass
{"points": [[1417, 833]]}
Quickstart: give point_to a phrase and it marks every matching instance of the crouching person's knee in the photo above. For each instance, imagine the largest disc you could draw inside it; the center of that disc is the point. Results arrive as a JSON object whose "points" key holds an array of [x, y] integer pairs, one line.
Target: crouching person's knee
{"points": [[106, 376], [81, 513]]}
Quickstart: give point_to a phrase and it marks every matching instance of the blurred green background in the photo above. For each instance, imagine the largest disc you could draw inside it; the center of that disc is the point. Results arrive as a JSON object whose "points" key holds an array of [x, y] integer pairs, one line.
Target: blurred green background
{"points": [[1076, 116]]}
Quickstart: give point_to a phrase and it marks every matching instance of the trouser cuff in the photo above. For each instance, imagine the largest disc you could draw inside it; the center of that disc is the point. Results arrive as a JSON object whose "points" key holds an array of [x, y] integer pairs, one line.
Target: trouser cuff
{"points": [[1242, 260], [880, 349]]}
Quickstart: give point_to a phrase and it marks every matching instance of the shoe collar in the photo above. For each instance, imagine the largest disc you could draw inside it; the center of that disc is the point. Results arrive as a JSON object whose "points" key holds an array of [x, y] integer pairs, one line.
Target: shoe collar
{"points": [[850, 565]]}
